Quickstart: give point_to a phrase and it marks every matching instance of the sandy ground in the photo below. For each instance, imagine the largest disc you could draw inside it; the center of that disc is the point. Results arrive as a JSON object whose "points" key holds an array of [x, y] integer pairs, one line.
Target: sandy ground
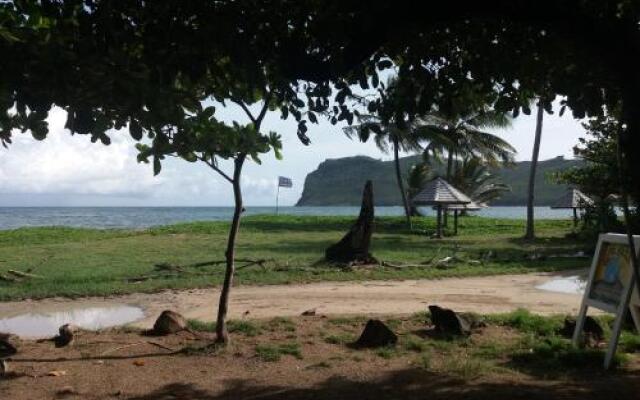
{"points": [[489, 294], [125, 365]]}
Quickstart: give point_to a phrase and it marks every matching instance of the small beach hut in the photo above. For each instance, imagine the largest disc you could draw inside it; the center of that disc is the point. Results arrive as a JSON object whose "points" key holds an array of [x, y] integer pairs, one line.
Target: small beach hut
{"points": [[575, 200], [440, 194]]}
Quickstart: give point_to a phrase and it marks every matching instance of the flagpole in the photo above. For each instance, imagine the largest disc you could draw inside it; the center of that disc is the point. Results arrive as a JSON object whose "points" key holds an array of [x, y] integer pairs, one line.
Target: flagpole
{"points": [[277, 195]]}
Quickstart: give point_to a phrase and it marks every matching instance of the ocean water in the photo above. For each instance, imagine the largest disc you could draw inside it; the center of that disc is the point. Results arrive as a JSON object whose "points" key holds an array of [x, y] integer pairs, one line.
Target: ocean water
{"points": [[142, 217]]}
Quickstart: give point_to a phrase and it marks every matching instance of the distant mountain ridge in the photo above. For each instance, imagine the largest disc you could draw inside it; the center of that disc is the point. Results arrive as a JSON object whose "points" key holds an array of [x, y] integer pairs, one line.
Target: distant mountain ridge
{"points": [[339, 182]]}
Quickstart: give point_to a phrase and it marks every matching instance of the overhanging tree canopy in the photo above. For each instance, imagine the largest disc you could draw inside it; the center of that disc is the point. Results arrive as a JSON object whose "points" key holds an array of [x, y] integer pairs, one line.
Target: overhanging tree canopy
{"points": [[109, 63]]}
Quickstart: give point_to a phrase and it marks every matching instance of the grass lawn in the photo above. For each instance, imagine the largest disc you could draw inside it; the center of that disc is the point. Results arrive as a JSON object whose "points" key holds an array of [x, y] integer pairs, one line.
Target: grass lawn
{"points": [[82, 262]]}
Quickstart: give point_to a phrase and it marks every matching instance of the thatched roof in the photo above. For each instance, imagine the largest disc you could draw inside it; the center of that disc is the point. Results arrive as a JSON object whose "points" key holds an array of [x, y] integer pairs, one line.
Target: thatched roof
{"points": [[573, 199], [439, 191], [473, 206]]}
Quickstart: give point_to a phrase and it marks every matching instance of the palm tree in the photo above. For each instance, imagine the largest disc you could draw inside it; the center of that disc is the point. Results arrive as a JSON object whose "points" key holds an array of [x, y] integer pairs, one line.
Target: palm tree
{"points": [[417, 177], [386, 135], [474, 178], [530, 232], [466, 137]]}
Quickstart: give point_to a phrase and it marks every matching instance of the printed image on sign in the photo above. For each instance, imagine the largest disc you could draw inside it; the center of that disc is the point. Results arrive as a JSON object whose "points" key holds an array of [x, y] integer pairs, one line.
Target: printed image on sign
{"points": [[613, 272]]}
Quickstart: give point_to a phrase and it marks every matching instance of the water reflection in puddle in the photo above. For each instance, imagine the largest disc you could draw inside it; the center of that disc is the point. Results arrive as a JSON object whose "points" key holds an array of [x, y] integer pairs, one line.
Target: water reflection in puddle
{"points": [[571, 284], [40, 325]]}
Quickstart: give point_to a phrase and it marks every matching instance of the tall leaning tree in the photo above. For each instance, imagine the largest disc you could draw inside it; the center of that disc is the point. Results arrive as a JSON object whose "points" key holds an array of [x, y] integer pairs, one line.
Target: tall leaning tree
{"points": [[530, 229], [202, 137], [393, 131]]}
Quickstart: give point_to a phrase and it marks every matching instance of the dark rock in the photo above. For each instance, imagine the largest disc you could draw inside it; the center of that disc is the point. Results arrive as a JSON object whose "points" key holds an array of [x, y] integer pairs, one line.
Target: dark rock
{"points": [[354, 246], [309, 313], [376, 334], [9, 345], [169, 322], [66, 335], [66, 391], [591, 328], [447, 322]]}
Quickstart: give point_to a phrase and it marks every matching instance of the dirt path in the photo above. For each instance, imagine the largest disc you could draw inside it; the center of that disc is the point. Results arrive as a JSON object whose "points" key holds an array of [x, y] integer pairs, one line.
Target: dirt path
{"points": [[482, 294]]}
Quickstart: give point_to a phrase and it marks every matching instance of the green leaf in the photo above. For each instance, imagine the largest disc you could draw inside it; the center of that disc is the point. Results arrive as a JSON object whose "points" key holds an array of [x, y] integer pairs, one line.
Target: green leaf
{"points": [[135, 130], [156, 165]]}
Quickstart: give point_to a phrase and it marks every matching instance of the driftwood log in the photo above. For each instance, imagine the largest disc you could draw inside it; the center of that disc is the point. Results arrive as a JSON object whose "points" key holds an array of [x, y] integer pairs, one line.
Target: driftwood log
{"points": [[354, 246]]}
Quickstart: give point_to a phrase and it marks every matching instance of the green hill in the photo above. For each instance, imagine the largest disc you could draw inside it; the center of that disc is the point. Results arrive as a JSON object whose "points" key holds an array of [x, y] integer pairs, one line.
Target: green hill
{"points": [[339, 182]]}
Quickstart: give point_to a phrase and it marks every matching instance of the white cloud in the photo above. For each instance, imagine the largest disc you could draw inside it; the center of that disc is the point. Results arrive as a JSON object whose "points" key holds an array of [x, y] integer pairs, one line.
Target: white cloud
{"points": [[66, 164], [70, 170]]}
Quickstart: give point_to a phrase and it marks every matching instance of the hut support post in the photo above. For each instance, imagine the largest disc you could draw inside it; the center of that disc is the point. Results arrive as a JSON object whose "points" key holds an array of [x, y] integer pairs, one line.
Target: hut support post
{"points": [[455, 222], [439, 222], [575, 217]]}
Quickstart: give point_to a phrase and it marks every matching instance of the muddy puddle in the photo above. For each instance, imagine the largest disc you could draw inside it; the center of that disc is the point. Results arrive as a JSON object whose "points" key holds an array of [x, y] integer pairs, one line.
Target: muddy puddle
{"points": [[46, 324], [574, 284]]}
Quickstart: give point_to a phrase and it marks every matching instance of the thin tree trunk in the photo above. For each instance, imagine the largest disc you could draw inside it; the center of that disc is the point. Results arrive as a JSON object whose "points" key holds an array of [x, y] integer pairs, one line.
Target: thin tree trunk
{"points": [[405, 201], [635, 264], [221, 327], [530, 233], [449, 175]]}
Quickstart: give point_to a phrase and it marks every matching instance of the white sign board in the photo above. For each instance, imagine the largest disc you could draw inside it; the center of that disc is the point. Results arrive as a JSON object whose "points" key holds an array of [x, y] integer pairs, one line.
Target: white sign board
{"points": [[610, 287]]}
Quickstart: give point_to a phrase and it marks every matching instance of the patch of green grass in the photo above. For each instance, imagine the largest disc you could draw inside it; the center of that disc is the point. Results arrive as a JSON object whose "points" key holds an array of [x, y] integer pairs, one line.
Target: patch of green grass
{"points": [[424, 361], [350, 321], [629, 342], [415, 344], [341, 338], [97, 262], [320, 365], [387, 352], [464, 367], [527, 322], [281, 324], [490, 350], [245, 327], [201, 326], [556, 355], [272, 353]]}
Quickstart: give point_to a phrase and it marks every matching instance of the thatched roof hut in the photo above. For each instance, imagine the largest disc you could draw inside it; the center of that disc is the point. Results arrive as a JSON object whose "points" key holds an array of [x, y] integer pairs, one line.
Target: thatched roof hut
{"points": [[441, 194], [573, 199]]}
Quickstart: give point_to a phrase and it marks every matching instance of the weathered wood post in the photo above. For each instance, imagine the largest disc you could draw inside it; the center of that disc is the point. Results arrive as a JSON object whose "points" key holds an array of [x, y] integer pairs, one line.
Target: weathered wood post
{"points": [[354, 246]]}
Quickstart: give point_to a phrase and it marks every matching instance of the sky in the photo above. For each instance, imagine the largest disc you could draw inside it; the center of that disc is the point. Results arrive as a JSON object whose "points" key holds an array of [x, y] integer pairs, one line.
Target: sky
{"points": [[69, 170]]}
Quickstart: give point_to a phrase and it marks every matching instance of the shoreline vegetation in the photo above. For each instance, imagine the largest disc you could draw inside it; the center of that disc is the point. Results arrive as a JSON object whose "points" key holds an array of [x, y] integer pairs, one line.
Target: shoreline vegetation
{"points": [[77, 262]]}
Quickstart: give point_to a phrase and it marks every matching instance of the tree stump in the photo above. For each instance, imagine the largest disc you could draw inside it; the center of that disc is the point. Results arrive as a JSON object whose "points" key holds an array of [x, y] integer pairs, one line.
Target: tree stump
{"points": [[354, 246], [169, 322], [591, 328], [66, 335], [376, 334], [448, 322]]}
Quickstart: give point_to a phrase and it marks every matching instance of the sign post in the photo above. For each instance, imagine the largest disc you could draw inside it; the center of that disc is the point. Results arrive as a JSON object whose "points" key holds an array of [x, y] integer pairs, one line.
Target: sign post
{"points": [[611, 288], [282, 182]]}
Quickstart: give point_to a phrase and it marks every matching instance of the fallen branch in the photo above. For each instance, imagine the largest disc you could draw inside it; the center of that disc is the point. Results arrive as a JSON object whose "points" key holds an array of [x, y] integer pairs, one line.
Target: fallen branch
{"points": [[136, 344], [177, 270], [22, 274], [7, 278], [402, 266], [180, 268]]}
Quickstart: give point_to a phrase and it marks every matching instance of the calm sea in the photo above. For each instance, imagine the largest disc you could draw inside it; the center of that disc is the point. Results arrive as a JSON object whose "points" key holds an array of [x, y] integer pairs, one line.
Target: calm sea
{"points": [[141, 217]]}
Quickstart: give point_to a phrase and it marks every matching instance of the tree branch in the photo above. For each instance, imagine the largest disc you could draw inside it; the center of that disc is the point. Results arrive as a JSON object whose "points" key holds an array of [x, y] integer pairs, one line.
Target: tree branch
{"points": [[263, 112], [216, 168], [245, 109]]}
